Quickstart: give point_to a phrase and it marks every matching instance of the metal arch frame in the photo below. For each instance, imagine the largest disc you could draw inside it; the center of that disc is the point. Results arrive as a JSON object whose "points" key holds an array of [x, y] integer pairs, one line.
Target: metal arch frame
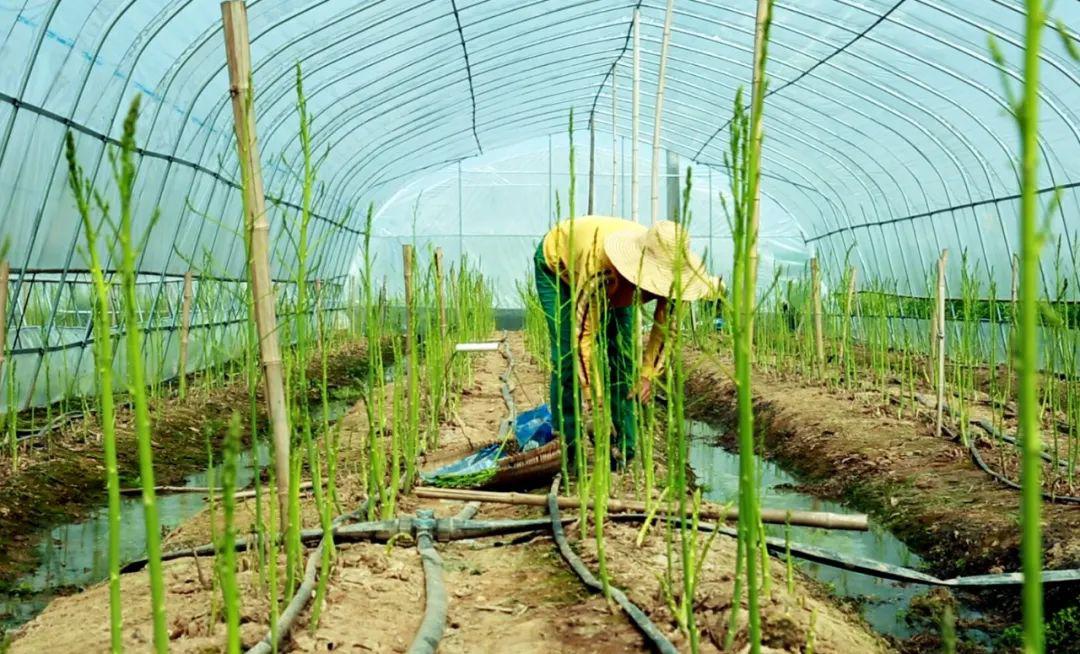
{"points": [[279, 120], [557, 112], [795, 80], [956, 208], [556, 115], [886, 126], [1046, 95], [873, 120], [203, 89], [468, 73], [611, 71], [815, 148], [352, 166], [948, 71], [49, 186], [324, 136], [979, 159], [173, 74], [673, 62]]}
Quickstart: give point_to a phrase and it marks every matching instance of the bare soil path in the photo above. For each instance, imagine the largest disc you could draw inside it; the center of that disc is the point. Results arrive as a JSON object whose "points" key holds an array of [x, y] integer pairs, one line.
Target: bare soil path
{"points": [[509, 594]]}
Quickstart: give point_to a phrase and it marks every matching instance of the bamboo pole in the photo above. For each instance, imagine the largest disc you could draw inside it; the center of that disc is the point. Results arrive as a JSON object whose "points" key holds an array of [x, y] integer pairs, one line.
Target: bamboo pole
{"points": [[614, 147], [939, 339], [592, 166], [709, 511], [635, 120], [819, 336], [257, 228], [658, 114], [185, 328]]}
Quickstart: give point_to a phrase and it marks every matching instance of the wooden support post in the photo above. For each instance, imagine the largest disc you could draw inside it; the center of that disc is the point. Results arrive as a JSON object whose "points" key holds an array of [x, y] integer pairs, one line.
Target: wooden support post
{"points": [[185, 329], [849, 300], [819, 336], [635, 120], [440, 293], [658, 115], [257, 227], [592, 167], [939, 338], [614, 148]]}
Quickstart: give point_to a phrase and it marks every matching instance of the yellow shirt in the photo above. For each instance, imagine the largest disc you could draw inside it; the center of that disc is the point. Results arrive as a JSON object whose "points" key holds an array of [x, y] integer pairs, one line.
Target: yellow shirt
{"points": [[577, 245]]}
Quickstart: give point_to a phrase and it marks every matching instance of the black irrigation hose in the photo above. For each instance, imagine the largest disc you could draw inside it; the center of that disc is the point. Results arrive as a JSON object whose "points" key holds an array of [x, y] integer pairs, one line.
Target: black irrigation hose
{"points": [[379, 531], [304, 593], [656, 638], [54, 424], [779, 547], [430, 632], [988, 428], [1002, 479], [977, 459]]}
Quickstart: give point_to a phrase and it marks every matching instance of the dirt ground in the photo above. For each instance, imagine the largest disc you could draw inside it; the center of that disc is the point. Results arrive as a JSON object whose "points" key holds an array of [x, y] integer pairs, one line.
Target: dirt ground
{"points": [[924, 488], [853, 446], [508, 594], [61, 478]]}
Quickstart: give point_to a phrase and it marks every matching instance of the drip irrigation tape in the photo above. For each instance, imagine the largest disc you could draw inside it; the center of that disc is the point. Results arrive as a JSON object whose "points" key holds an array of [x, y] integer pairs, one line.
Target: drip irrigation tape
{"points": [[656, 638], [778, 548], [426, 640]]}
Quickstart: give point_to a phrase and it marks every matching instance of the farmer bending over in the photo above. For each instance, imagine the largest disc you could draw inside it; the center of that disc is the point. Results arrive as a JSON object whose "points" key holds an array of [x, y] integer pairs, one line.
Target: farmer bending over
{"points": [[612, 260]]}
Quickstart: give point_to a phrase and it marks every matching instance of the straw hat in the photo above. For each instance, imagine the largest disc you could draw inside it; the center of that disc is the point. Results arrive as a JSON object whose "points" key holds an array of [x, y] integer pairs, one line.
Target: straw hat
{"points": [[647, 257]]}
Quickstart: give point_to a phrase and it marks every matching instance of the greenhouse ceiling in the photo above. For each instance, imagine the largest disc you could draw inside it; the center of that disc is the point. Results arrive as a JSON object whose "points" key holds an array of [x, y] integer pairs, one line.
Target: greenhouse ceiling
{"points": [[886, 122]]}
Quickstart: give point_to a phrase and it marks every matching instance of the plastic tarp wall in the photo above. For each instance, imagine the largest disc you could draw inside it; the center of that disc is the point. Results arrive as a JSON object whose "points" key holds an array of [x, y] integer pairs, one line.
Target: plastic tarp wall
{"points": [[887, 131], [505, 201]]}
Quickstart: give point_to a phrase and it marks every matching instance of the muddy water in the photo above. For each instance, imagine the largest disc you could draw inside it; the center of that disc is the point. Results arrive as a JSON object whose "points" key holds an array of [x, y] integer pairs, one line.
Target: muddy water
{"points": [[75, 555], [885, 604]]}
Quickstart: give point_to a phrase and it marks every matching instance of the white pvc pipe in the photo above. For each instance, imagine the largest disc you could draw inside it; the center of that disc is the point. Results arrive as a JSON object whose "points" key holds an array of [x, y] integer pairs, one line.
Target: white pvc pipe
{"points": [[655, 205], [486, 346], [635, 118]]}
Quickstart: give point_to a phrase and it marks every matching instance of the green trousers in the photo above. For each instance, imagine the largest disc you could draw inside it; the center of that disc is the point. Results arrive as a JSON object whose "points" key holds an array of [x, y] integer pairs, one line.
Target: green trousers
{"points": [[616, 336]]}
